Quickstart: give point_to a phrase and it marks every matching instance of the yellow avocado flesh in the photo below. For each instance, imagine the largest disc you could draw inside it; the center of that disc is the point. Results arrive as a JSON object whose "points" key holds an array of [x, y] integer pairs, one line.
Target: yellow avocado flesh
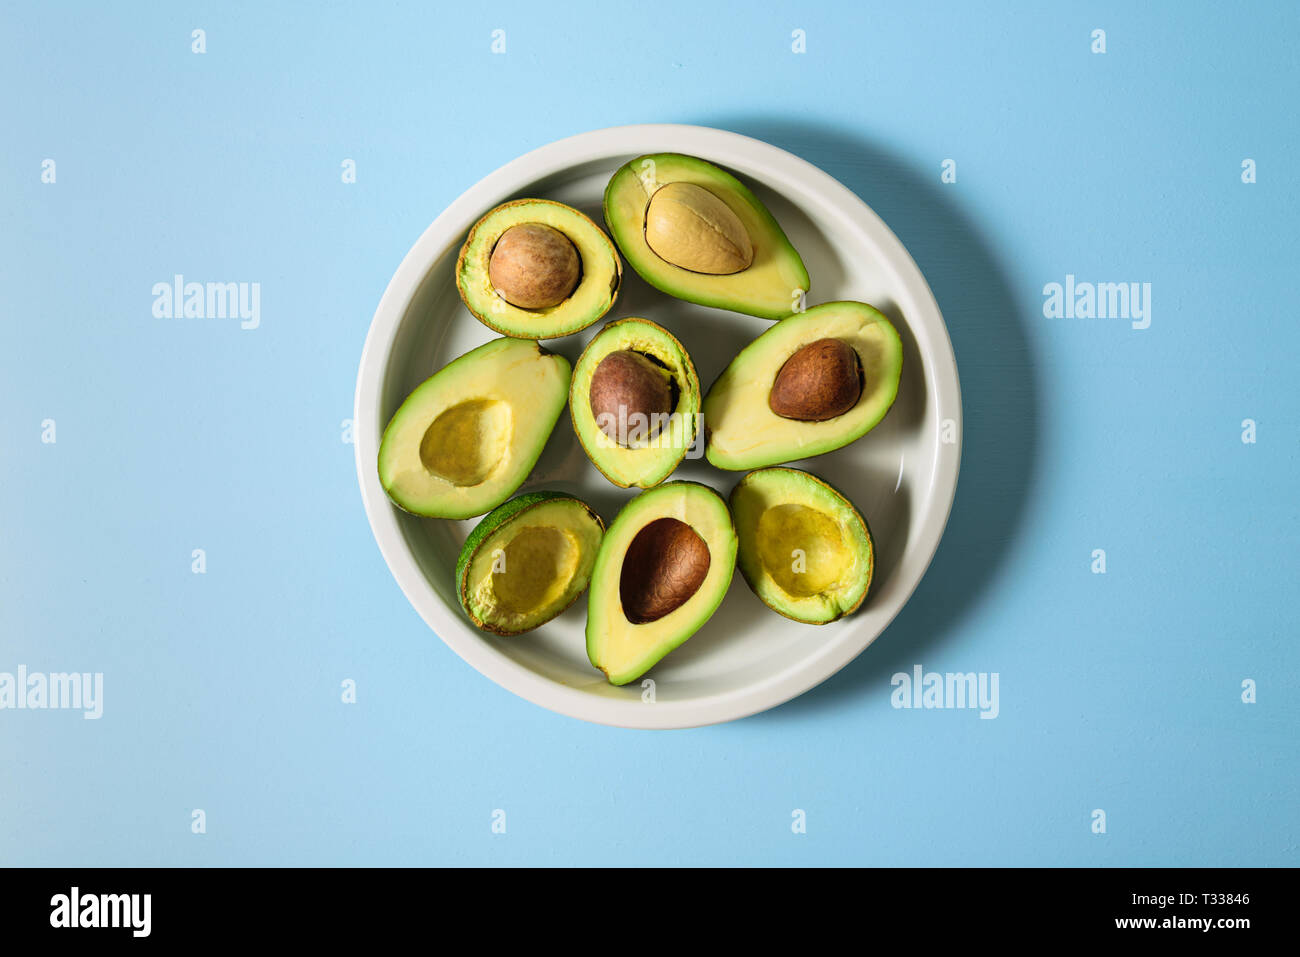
{"points": [[467, 437], [467, 442], [745, 433], [804, 549], [654, 459], [591, 299], [531, 568], [621, 649], [772, 284]]}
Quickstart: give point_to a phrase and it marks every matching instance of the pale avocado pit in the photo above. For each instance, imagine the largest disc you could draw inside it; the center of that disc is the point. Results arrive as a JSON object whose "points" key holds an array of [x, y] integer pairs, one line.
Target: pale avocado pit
{"points": [[690, 227], [804, 549], [527, 561], [466, 439]]}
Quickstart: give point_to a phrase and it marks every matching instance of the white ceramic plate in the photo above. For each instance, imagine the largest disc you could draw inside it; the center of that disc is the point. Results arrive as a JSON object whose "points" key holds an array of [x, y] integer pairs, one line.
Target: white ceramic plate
{"points": [[902, 475]]}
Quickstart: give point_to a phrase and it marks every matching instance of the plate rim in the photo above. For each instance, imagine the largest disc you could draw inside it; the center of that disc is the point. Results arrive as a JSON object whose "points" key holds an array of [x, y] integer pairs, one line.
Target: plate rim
{"points": [[742, 154]]}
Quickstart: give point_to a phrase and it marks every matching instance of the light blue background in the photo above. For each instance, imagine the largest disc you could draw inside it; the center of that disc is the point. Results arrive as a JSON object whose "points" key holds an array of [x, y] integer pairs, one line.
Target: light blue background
{"points": [[1119, 692]]}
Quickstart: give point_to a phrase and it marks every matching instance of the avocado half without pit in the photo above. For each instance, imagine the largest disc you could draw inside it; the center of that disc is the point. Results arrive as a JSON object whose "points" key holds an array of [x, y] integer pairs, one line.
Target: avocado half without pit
{"points": [[527, 561], [537, 269], [805, 550], [662, 570], [812, 383], [635, 402], [466, 439], [694, 231]]}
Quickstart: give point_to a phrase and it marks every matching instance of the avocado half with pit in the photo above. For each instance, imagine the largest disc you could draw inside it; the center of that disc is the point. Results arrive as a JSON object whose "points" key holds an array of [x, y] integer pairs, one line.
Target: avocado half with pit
{"points": [[466, 439], [812, 383], [537, 269], [694, 231], [527, 561], [663, 568], [635, 402], [805, 550]]}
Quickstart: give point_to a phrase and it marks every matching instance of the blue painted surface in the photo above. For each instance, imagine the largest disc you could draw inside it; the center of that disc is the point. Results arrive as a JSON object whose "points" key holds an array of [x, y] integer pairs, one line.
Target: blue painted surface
{"points": [[1119, 692]]}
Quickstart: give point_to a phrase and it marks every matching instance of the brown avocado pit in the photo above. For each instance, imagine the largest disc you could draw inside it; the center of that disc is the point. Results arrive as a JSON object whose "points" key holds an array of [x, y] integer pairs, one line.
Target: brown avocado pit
{"points": [[630, 392], [820, 381], [534, 266], [662, 568]]}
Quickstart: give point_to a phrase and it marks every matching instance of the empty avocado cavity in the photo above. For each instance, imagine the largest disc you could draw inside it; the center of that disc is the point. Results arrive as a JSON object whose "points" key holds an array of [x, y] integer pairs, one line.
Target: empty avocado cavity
{"points": [[466, 439], [805, 550], [527, 561], [465, 443]]}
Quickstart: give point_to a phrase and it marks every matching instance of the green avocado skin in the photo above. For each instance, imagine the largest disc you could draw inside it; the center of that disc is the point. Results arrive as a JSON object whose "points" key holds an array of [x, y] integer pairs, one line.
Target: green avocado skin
{"points": [[844, 502], [621, 332], [701, 290], [726, 555], [461, 366], [544, 324], [495, 520], [889, 374]]}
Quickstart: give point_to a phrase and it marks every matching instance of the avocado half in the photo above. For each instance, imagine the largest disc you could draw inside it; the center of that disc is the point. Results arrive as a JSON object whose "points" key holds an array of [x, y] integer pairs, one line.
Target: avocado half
{"points": [[466, 439], [773, 283], [805, 550], [744, 432], [597, 288], [629, 456], [527, 561], [663, 568]]}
